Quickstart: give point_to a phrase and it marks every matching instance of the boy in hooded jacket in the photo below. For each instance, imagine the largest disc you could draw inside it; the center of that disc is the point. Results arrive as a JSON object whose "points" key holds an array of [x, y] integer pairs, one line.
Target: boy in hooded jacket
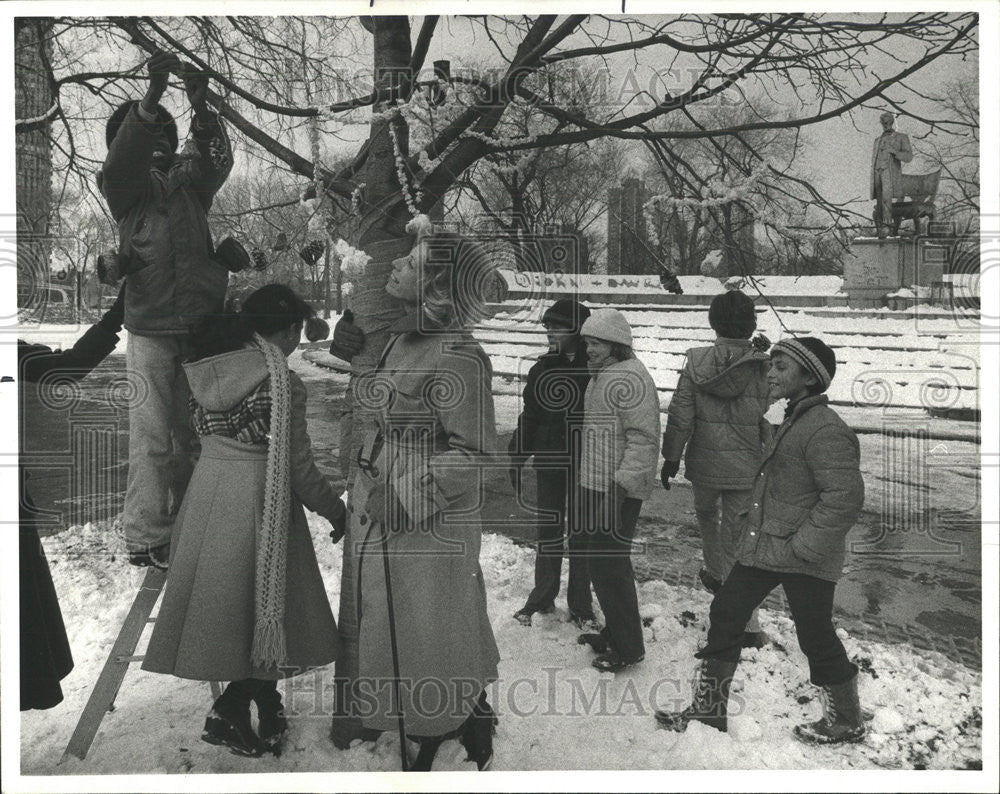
{"points": [[717, 414]]}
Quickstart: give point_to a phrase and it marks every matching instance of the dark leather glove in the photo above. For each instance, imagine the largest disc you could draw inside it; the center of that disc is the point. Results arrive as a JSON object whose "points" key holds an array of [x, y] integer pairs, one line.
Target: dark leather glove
{"points": [[115, 316], [348, 339], [669, 470]]}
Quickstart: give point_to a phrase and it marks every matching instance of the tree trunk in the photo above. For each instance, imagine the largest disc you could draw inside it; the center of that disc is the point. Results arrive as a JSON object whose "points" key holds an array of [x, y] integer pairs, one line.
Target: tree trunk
{"points": [[382, 236], [33, 155]]}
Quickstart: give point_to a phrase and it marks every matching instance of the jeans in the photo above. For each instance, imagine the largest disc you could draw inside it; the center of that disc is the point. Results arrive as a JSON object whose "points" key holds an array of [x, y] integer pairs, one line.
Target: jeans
{"points": [[162, 445], [608, 530], [811, 602], [720, 536], [557, 497]]}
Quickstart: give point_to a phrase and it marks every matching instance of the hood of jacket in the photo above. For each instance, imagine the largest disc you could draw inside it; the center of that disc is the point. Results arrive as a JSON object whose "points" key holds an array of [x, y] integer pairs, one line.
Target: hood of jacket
{"points": [[219, 382], [726, 368]]}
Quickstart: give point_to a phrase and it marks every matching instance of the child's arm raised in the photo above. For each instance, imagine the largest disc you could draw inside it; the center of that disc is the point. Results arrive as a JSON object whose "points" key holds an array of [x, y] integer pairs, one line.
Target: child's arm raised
{"points": [[124, 177], [208, 133]]}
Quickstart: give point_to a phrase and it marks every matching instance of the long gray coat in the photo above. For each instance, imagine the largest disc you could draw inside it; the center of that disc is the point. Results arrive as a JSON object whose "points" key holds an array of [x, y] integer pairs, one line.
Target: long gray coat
{"points": [[204, 629], [436, 419], [808, 494]]}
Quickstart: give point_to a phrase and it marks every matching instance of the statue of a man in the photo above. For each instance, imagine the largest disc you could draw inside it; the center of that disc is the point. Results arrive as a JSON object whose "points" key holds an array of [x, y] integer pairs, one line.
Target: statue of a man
{"points": [[891, 150]]}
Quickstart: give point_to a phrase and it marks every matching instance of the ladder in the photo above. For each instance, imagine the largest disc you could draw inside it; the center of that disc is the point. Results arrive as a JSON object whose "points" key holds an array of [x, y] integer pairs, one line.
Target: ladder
{"points": [[102, 698]]}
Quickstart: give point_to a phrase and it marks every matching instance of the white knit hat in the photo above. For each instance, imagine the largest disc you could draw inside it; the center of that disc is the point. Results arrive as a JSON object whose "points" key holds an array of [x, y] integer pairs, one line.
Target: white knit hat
{"points": [[609, 325]]}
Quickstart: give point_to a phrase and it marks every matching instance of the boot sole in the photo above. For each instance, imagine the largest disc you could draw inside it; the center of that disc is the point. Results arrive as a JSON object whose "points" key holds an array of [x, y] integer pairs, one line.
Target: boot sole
{"points": [[851, 738], [235, 749]]}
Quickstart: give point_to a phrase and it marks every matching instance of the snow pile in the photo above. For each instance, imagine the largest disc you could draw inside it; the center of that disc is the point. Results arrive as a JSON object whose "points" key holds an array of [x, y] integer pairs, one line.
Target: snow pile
{"points": [[556, 711], [913, 291]]}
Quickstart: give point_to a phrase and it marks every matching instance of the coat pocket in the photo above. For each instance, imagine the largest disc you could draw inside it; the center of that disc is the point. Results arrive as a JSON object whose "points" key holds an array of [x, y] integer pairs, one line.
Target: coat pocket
{"points": [[418, 493]]}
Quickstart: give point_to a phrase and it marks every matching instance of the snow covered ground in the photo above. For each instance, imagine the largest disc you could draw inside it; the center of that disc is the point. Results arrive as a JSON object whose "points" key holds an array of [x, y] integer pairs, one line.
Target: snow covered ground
{"points": [[556, 711]]}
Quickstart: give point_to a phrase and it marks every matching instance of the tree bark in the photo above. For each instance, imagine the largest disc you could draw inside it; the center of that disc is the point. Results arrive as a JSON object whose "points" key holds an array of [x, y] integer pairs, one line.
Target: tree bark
{"points": [[382, 235], [33, 155]]}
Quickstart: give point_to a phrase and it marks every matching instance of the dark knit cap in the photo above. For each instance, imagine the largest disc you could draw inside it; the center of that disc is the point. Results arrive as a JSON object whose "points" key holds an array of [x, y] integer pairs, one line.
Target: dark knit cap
{"points": [[566, 313], [813, 356], [162, 115], [732, 315]]}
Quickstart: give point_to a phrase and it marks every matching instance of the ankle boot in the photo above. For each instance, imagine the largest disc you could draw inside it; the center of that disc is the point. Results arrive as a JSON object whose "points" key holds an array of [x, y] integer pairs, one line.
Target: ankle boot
{"points": [[425, 755], [711, 697], [477, 734], [228, 723], [272, 727], [842, 720]]}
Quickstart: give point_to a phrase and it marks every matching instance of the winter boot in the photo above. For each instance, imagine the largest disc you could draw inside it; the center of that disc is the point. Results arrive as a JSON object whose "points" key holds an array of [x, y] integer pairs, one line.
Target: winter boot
{"points": [[842, 720], [477, 734], [228, 723], [425, 755], [272, 727], [711, 696], [598, 642]]}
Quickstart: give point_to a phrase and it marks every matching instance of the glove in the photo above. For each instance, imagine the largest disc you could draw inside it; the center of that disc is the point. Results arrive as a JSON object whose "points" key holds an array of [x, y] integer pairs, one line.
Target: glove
{"points": [[670, 469], [339, 523], [348, 339], [115, 316], [761, 343]]}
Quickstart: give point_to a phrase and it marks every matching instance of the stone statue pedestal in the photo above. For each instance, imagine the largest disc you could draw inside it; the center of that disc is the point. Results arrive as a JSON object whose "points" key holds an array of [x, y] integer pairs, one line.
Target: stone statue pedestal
{"points": [[875, 267]]}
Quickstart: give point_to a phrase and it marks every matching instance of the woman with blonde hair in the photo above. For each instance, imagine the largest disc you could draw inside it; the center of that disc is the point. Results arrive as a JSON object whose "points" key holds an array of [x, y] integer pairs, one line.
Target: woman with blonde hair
{"points": [[426, 646]]}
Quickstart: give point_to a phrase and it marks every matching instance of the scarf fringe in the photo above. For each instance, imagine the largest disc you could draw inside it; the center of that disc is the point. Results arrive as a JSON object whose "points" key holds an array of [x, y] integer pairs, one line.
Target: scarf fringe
{"points": [[268, 643]]}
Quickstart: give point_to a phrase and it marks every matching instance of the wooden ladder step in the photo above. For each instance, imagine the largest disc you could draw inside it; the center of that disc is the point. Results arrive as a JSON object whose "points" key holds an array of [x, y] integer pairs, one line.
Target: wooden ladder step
{"points": [[102, 698]]}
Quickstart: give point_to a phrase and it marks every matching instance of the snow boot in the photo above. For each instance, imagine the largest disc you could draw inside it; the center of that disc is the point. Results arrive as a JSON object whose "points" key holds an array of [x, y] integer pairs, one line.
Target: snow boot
{"points": [[477, 734], [425, 755], [228, 723], [842, 720], [598, 642], [611, 662], [272, 725], [711, 697]]}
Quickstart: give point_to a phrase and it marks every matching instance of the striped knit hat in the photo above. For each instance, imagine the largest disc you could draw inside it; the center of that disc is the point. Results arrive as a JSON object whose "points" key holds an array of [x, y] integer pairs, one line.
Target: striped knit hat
{"points": [[812, 355]]}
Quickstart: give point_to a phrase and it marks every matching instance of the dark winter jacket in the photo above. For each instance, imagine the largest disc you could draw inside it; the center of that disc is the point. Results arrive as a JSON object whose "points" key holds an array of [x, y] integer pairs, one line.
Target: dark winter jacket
{"points": [[808, 494], [45, 652], [163, 224], [552, 404], [717, 412]]}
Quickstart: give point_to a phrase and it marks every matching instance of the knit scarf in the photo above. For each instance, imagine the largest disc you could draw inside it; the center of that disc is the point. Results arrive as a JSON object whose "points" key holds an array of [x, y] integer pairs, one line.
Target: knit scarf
{"points": [[269, 599]]}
